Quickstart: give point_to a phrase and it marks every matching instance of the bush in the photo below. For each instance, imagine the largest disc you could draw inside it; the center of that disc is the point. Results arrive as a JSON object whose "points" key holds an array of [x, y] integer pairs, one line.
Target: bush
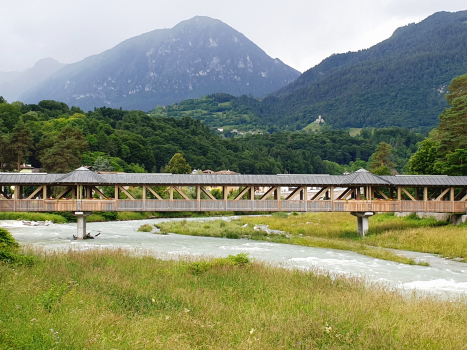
{"points": [[200, 267], [145, 228], [9, 250]]}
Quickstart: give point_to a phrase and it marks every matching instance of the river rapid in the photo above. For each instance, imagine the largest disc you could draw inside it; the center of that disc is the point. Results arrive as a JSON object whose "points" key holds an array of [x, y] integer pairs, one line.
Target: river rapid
{"points": [[443, 277]]}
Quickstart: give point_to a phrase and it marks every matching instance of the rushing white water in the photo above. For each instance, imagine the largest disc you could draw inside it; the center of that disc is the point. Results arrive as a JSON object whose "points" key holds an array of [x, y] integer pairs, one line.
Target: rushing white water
{"points": [[442, 277]]}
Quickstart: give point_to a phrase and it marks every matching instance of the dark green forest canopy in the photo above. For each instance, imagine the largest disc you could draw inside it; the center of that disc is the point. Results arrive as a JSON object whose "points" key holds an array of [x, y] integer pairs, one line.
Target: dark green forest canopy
{"points": [[134, 141]]}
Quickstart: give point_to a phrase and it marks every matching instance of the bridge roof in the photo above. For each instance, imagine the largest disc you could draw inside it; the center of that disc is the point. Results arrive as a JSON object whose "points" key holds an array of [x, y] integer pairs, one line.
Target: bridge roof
{"points": [[84, 176]]}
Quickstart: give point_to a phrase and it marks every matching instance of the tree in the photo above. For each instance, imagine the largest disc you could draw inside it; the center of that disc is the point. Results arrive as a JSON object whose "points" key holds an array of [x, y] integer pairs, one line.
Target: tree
{"points": [[422, 162], [457, 88], [2, 100], [102, 164], [63, 153], [380, 161], [178, 165], [21, 142]]}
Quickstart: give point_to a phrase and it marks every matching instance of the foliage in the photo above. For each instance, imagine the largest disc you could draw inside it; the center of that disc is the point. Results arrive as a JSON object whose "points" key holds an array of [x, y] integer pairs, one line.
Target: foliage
{"points": [[178, 165], [10, 250], [145, 228], [21, 142], [380, 161], [445, 152], [200, 267]]}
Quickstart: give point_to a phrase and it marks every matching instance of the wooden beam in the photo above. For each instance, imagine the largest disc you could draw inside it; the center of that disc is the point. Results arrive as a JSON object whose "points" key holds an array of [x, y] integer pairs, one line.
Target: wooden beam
{"points": [[464, 198], [381, 193], [208, 193], [4, 195], [345, 192], [181, 193], [460, 194], [435, 193], [320, 193], [64, 192], [225, 193], [101, 194], [154, 193], [116, 194], [32, 195], [407, 193], [126, 192], [294, 193], [268, 193], [242, 193], [425, 193], [443, 194]]}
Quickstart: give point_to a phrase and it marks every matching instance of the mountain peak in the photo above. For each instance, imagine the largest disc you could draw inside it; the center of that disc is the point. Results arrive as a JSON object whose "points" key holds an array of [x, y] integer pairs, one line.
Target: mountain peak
{"points": [[197, 57]]}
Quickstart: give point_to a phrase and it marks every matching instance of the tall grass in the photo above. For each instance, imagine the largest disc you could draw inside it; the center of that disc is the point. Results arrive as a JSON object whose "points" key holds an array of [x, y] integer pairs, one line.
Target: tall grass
{"points": [[109, 299], [308, 230], [28, 216]]}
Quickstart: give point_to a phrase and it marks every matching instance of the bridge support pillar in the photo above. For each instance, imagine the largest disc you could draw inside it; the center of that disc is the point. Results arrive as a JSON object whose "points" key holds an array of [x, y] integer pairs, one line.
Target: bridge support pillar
{"points": [[81, 216], [363, 222]]}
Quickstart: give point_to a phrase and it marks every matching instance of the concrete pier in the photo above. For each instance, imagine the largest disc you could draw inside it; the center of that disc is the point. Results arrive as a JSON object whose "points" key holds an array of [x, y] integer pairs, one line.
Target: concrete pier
{"points": [[81, 216], [363, 222]]}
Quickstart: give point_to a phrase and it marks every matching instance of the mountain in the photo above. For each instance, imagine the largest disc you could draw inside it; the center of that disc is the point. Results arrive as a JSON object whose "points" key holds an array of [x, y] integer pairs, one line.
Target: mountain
{"points": [[400, 81], [19, 82], [197, 57]]}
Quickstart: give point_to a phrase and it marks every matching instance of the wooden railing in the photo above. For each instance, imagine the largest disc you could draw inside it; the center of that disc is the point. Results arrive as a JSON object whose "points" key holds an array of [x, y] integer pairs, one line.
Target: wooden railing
{"points": [[231, 205]]}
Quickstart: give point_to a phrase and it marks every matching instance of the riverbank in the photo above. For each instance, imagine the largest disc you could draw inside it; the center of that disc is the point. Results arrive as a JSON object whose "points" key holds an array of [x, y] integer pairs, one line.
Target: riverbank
{"points": [[337, 231], [110, 299], [66, 217]]}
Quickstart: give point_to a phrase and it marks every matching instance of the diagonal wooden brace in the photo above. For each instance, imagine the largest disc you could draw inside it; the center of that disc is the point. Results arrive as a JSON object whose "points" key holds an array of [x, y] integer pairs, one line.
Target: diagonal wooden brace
{"points": [[269, 193], [443, 193], [407, 193], [154, 193], [294, 193], [241, 194], [181, 193], [34, 194], [208, 193], [321, 193], [126, 192], [382, 194]]}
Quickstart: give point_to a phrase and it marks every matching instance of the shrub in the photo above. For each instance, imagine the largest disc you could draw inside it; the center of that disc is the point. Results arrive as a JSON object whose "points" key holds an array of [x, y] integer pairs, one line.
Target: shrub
{"points": [[145, 228]]}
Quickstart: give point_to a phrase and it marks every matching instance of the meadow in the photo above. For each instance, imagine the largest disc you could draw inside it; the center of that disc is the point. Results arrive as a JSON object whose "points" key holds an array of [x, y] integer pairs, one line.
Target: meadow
{"points": [[338, 231], [112, 299]]}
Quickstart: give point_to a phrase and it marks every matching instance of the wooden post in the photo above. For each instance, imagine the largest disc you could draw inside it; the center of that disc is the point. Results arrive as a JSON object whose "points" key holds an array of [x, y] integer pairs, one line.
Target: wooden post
{"points": [[425, 198], [144, 197], [225, 194], [252, 193], [198, 196], [171, 192], [332, 197], [399, 194], [451, 197], [116, 192]]}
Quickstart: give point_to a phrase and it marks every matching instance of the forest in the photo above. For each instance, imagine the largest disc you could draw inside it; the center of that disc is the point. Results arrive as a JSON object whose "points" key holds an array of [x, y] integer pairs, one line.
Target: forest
{"points": [[56, 138]]}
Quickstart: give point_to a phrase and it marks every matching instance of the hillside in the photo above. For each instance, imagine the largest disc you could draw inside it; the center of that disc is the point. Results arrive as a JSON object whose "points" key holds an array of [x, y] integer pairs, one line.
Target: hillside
{"points": [[400, 81], [197, 57]]}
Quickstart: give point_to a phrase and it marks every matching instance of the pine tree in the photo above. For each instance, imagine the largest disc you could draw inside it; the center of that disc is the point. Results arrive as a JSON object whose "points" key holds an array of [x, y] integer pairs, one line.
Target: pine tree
{"points": [[21, 142]]}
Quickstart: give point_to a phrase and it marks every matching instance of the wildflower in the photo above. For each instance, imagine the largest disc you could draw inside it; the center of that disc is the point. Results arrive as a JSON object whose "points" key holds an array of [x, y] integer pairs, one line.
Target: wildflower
{"points": [[252, 331], [186, 310], [153, 300]]}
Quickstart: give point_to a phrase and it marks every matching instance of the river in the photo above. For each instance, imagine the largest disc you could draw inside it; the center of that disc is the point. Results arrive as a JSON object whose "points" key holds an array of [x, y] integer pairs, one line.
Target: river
{"points": [[443, 277]]}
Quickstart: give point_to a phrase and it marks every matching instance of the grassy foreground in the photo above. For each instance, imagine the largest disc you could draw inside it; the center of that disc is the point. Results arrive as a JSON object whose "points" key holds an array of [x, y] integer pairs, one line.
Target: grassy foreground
{"points": [[111, 300], [338, 231]]}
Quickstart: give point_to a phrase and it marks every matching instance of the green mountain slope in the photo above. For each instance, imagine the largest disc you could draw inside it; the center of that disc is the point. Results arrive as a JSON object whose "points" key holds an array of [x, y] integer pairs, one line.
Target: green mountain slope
{"points": [[401, 81]]}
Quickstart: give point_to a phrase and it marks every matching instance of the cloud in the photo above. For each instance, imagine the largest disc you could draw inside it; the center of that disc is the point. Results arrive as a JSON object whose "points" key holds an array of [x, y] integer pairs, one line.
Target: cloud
{"points": [[299, 32]]}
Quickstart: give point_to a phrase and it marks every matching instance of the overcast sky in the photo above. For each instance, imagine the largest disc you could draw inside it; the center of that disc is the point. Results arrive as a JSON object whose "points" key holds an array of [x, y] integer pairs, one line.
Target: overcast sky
{"points": [[299, 32]]}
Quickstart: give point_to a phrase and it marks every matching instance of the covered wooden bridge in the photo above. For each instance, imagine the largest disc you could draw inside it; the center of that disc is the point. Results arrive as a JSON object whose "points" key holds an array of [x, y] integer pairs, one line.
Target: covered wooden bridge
{"points": [[361, 193]]}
